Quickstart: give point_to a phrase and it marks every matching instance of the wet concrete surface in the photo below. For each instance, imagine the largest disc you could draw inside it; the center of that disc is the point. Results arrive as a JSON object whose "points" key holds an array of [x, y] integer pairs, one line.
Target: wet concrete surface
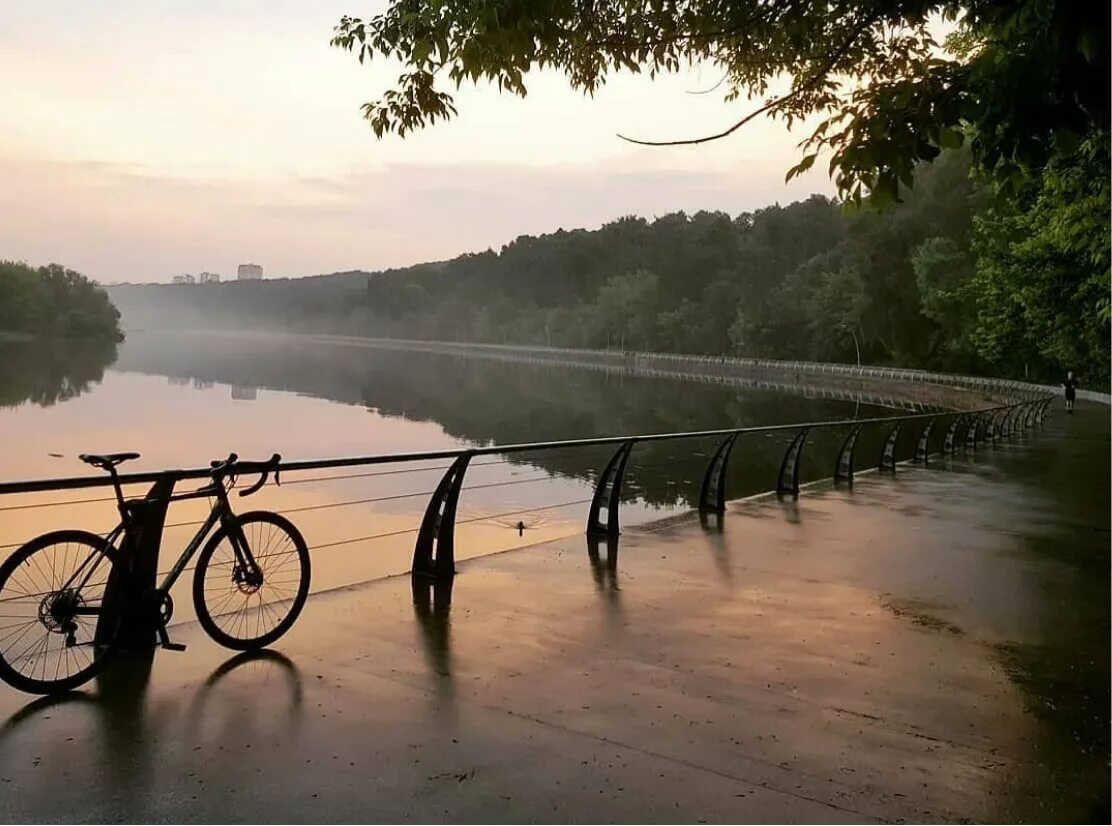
{"points": [[931, 646]]}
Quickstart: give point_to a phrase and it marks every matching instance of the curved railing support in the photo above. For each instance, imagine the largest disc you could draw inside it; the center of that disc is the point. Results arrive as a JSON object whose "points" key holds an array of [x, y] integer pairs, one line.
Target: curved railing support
{"points": [[1005, 416], [712, 495], [922, 447], [984, 418], [608, 494], [1040, 411], [971, 432], [788, 480], [1033, 414], [998, 423], [435, 554], [888, 452], [948, 441], [843, 468]]}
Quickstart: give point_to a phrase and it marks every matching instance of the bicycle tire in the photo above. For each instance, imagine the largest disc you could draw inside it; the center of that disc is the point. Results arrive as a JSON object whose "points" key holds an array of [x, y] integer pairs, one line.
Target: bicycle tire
{"points": [[103, 639], [224, 614]]}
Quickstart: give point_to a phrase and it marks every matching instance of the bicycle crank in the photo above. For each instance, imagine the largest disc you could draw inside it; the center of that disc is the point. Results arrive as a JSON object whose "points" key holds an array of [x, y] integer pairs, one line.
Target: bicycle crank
{"points": [[165, 610]]}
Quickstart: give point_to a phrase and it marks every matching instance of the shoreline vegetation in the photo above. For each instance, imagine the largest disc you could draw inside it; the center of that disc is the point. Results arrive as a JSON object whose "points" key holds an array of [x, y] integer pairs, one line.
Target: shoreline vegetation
{"points": [[952, 278], [54, 303]]}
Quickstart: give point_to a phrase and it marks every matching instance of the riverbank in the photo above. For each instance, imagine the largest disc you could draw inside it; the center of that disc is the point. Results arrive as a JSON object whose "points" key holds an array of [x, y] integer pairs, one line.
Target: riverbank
{"points": [[892, 387], [921, 385]]}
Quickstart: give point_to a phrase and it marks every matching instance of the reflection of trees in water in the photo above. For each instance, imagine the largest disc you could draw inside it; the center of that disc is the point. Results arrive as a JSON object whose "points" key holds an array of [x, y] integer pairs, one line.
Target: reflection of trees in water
{"points": [[47, 372], [481, 401]]}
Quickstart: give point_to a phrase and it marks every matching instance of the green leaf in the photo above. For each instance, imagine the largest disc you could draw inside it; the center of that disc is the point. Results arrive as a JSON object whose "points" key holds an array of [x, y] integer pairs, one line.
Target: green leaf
{"points": [[801, 167]]}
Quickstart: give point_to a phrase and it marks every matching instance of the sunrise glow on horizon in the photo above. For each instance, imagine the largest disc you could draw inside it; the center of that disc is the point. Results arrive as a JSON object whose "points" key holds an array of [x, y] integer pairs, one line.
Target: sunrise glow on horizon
{"points": [[144, 140]]}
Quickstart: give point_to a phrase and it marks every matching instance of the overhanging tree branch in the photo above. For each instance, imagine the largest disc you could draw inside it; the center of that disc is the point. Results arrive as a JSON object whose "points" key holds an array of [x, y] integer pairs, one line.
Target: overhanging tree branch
{"points": [[721, 80], [811, 83]]}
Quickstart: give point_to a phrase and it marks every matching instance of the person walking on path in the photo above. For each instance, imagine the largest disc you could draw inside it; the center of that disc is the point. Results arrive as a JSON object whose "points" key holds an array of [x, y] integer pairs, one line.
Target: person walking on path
{"points": [[1071, 390]]}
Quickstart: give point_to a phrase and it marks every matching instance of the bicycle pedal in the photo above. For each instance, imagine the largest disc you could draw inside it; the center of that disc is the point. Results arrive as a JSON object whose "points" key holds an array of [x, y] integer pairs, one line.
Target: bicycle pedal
{"points": [[164, 641]]}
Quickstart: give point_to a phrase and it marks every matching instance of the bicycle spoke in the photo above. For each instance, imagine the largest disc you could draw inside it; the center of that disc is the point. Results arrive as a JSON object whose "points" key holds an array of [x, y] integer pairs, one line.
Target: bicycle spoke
{"points": [[248, 595], [49, 616], [16, 636]]}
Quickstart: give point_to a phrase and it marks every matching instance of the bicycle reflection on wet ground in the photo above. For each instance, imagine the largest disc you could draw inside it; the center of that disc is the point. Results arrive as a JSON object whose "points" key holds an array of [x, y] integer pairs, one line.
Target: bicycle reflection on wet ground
{"points": [[111, 739]]}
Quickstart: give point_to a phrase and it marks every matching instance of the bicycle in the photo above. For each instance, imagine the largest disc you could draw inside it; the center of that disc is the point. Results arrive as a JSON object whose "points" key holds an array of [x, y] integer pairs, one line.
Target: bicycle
{"points": [[60, 619]]}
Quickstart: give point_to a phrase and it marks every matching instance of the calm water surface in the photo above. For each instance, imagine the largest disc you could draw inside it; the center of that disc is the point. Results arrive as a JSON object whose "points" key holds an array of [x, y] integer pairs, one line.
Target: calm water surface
{"points": [[181, 400]]}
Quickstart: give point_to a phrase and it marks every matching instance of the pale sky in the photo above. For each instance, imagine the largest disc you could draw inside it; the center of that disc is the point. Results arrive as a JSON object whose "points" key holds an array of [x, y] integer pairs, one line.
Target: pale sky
{"points": [[140, 139]]}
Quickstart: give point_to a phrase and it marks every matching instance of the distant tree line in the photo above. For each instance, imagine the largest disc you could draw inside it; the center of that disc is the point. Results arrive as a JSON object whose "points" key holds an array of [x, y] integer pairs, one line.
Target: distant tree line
{"points": [[952, 277], [54, 302]]}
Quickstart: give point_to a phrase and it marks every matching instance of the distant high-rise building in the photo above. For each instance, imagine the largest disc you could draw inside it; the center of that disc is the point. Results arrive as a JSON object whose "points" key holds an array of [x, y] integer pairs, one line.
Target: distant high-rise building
{"points": [[183, 279], [249, 272], [208, 277]]}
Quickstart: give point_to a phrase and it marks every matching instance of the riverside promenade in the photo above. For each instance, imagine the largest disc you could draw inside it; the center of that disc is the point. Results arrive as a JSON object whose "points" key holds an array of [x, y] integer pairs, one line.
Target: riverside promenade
{"points": [[928, 646]]}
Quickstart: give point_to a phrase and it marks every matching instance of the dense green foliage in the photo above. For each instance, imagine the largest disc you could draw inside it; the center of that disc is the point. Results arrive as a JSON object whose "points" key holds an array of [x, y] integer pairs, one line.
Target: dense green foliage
{"points": [[1043, 267], [929, 282], [1023, 80], [55, 302], [1023, 83]]}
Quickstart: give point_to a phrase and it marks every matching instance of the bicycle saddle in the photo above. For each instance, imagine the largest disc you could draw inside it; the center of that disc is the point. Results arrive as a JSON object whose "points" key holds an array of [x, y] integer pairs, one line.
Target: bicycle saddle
{"points": [[106, 460]]}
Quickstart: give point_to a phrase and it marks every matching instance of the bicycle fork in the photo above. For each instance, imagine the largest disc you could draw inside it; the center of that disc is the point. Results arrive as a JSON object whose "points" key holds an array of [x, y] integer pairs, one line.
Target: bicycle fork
{"points": [[246, 573]]}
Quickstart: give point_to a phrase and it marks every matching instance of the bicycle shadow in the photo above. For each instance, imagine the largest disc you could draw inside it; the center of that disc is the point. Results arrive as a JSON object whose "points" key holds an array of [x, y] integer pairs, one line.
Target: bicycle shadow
{"points": [[252, 695], [105, 734]]}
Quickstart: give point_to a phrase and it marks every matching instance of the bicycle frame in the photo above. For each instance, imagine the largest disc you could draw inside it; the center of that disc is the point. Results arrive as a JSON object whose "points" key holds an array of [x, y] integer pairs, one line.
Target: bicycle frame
{"points": [[221, 512]]}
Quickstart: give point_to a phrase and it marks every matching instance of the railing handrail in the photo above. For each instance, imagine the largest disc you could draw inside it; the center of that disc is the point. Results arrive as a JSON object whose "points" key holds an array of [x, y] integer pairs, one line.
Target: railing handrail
{"points": [[101, 480], [434, 553]]}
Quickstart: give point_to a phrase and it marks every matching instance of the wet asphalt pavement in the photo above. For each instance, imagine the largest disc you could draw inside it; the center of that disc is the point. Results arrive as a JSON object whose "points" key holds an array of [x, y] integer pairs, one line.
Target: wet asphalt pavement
{"points": [[928, 646]]}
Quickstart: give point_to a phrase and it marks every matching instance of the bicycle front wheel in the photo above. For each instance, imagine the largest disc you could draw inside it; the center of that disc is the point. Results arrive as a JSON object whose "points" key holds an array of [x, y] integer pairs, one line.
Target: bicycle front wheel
{"points": [[53, 634], [244, 611]]}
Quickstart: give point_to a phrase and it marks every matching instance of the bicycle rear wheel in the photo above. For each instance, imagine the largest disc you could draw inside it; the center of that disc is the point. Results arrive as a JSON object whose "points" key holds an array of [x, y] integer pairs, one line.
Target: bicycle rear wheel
{"points": [[243, 614], [53, 638]]}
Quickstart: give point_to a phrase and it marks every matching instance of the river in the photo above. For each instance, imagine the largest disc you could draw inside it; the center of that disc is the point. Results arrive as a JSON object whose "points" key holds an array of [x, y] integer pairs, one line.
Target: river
{"points": [[181, 400]]}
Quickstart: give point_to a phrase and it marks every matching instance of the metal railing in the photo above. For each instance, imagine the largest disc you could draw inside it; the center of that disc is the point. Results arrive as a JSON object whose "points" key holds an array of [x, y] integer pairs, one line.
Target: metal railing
{"points": [[434, 548]]}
